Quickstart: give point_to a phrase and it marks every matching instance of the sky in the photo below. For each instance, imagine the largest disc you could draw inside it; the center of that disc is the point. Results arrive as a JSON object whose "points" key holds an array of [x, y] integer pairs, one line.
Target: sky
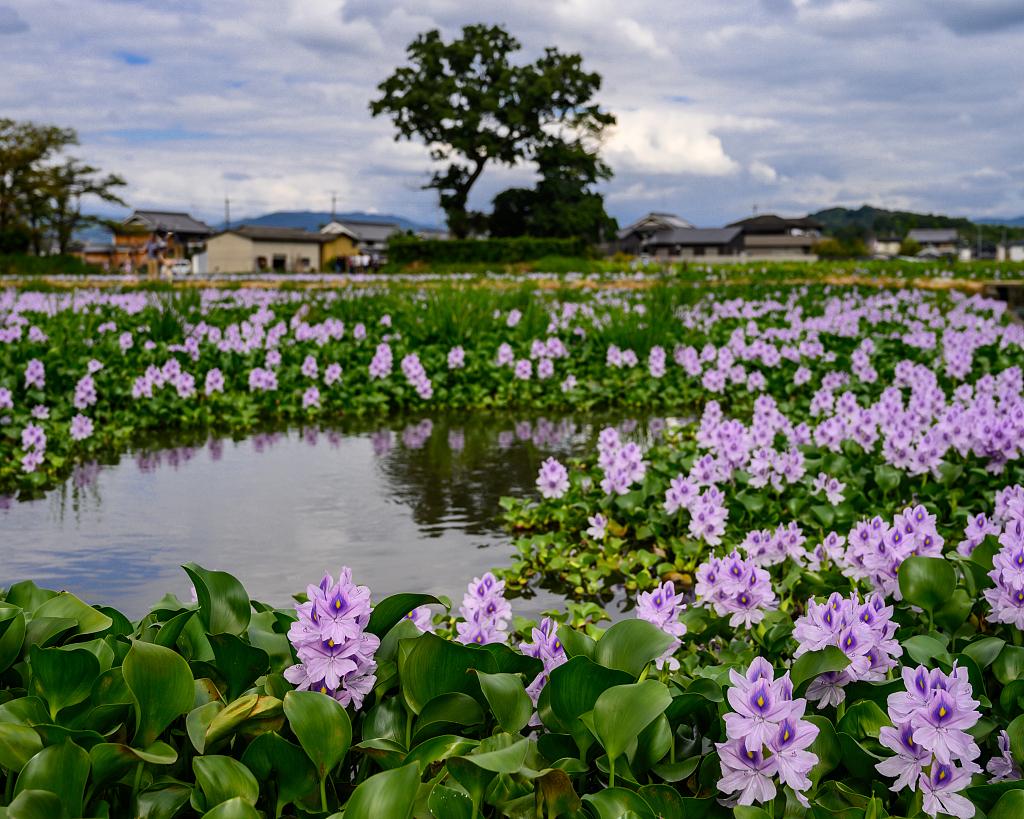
{"points": [[788, 106]]}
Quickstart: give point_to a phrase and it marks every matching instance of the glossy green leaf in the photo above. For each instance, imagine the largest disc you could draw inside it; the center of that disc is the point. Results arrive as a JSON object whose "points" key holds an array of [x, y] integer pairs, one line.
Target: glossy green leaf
{"points": [[1009, 665], [34, 804], [223, 603], [163, 801], [985, 650], [614, 803], [12, 635], [18, 744], [508, 699], [237, 808], [575, 643], [61, 769], [271, 757], [448, 803], [162, 685], [392, 609], [556, 793], [111, 761], [925, 649], [249, 715], [390, 793], [66, 605], [826, 747], [808, 666], [630, 645], [438, 748], [170, 631], [239, 663], [62, 678], [622, 712], [506, 760], [863, 719], [442, 712], [322, 727], [927, 582], [222, 778], [434, 666], [1009, 806]]}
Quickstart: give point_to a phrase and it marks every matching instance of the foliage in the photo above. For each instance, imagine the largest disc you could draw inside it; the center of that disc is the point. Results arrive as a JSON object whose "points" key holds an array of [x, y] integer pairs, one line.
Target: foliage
{"points": [[472, 106]]}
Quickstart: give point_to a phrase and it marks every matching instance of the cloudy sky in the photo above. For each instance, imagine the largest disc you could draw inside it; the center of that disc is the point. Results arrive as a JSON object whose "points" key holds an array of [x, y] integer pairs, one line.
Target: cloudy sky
{"points": [[789, 105]]}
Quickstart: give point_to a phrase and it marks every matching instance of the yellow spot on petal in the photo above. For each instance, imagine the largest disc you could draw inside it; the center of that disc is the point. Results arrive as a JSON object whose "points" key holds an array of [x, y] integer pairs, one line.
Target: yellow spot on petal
{"points": [[942, 711], [330, 643], [760, 702]]}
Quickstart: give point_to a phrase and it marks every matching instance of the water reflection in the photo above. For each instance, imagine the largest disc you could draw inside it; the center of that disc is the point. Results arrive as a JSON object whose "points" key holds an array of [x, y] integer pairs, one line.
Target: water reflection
{"points": [[410, 506]]}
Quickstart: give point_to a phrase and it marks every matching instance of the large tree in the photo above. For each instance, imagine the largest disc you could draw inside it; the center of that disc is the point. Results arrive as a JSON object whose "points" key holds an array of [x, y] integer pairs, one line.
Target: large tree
{"points": [[563, 203], [472, 106]]}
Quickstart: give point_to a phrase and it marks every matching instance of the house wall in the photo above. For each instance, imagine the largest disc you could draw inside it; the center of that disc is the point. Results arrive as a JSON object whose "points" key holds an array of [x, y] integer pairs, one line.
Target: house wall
{"points": [[231, 253], [341, 246]]}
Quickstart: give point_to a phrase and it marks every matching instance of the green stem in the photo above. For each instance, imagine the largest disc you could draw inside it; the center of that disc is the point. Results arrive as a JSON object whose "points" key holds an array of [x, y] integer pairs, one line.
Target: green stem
{"points": [[323, 793], [135, 788], [408, 729], [840, 710], [611, 772]]}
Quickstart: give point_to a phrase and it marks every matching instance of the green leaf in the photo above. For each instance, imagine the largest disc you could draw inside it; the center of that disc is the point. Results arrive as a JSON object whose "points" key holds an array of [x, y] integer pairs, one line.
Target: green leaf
{"points": [[630, 645], [66, 605], [923, 649], [576, 643], [222, 778], [163, 801], [826, 747], [239, 663], [441, 713], [985, 650], [1009, 665], [887, 477], [18, 744], [448, 803], [12, 635], [1009, 806], [573, 689], [1016, 731], [322, 727], [750, 812], [162, 685], [433, 666], [614, 803], [437, 748], [508, 699], [249, 715], [507, 760], [223, 603], [111, 761], [62, 678], [863, 719], [556, 794], [391, 794], [61, 769], [170, 631], [270, 757], [927, 582], [34, 804], [237, 808], [392, 609], [810, 665], [623, 711]]}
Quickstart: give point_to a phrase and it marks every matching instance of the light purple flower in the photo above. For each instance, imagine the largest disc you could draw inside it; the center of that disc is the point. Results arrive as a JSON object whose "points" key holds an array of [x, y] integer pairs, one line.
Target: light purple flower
{"points": [[553, 479], [81, 427]]}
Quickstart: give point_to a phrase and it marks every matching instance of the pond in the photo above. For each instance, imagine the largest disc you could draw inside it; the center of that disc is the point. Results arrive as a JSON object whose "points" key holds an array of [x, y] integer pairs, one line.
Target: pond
{"points": [[409, 505]]}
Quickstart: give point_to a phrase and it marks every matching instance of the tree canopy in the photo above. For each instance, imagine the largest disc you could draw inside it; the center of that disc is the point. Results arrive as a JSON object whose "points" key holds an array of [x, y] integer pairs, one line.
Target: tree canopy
{"points": [[41, 188], [472, 106]]}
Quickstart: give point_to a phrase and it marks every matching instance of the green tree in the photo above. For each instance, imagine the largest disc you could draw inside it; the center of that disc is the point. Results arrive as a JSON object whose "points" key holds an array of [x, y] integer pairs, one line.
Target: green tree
{"points": [[910, 247], [563, 203], [69, 182], [472, 106]]}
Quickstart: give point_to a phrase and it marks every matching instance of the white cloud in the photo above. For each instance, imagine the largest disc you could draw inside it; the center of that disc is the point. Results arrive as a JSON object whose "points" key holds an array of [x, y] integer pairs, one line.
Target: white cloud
{"points": [[667, 142], [763, 172]]}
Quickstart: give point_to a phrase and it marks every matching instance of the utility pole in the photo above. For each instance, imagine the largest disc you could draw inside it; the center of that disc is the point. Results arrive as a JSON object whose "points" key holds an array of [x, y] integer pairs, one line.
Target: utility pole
{"points": [[334, 199], [227, 212]]}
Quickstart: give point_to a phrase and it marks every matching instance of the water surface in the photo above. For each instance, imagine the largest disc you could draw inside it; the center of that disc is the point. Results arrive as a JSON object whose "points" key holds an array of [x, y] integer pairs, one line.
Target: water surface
{"points": [[410, 506]]}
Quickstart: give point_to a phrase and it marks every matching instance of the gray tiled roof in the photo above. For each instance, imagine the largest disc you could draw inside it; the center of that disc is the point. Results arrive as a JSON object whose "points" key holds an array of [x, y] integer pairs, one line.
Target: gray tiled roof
{"points": [[371, 231], [926, 236], [694, 236], [168, 220], [280, 234]]}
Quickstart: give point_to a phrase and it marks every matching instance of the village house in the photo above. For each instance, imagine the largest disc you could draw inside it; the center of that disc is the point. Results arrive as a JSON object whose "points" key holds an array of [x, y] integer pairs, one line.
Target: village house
{"points": [[632, 238], [147, 240], [884, 247], [936, 242], [259, 249], [775, 238], [369, 237]]}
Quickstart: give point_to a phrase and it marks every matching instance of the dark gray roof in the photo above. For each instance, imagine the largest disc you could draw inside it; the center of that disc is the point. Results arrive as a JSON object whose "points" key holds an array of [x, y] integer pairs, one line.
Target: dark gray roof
{"points": [[371, 231], [280, 234], [769, 222], [694, 236], [933, 235], [654, 221], [169, 220]]}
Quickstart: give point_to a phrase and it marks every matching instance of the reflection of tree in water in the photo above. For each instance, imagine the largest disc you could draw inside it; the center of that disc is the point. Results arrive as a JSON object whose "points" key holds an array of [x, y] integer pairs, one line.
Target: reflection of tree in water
{"points": [[452, 471]]}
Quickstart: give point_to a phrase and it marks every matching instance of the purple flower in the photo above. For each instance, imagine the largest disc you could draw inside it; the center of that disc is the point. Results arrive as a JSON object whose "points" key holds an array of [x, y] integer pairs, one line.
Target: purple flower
{"points": [[214, 382], [422, 618], [597, 528], [456, 358], [746, 772], [1004, 766], [40, 412], [81, 427], [789, 750], [35, 374], [332, 374], [910, 759], [523, 369], [662, 608], [125, 341], [553, 479], [485, 612], [311, 398], [6, 400], [941, 790], [383, 361], [309, 367], [547, 648]]}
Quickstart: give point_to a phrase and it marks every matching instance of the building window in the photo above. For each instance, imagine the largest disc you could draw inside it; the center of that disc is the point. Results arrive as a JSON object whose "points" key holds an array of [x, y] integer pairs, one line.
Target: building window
{"points": [[280, 262], [261, 262], [698, 251], [304, 263]]}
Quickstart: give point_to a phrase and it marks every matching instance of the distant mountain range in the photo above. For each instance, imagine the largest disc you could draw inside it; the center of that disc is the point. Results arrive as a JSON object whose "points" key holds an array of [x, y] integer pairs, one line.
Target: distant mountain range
{"points": [[313, 220], [868, 220], [1017, 221]]}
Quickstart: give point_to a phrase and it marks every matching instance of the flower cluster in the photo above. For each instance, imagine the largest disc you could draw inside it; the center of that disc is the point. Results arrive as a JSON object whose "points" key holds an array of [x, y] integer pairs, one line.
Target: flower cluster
{"points": [[1007, 596], [832, 488], [934, 752], [875, 551], [485, 612], [553, 479], [862, 630], [456, 358], [33, 441], [547, 648], [414, 373], [622, 464], [662, 608], [766, 737], [736, 588], [766, 548], [336, 654], [382, 362]]}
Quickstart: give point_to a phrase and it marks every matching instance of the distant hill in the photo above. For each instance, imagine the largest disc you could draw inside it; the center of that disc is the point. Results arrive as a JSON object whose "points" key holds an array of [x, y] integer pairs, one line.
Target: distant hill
{"points": [[871, 221], [313, 220], [1017, 221]]}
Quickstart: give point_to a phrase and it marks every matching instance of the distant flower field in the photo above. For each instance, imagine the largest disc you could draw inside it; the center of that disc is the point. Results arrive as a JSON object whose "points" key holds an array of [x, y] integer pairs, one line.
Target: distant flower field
{"points": [[823, 572]]}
